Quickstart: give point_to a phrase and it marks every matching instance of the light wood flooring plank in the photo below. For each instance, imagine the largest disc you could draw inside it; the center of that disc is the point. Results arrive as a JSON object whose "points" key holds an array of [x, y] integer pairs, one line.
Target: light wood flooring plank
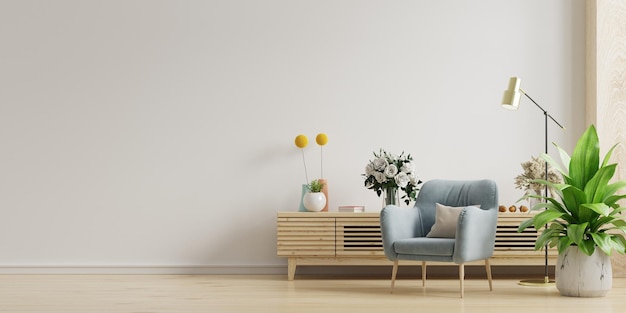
{"points": [[269, 293]]}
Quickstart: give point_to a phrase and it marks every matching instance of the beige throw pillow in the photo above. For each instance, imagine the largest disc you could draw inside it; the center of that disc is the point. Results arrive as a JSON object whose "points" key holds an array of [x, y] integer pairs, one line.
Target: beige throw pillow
{"points": [[446, 219]]}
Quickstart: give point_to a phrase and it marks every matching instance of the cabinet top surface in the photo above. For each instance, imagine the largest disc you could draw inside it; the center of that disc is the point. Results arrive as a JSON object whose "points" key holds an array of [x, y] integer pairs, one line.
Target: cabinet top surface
{"points": [[376, 214], [328, 214]]}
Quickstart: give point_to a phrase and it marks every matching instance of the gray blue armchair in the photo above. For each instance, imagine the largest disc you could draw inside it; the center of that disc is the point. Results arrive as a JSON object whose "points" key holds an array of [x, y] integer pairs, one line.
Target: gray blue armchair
{"points": [[452, 221]]}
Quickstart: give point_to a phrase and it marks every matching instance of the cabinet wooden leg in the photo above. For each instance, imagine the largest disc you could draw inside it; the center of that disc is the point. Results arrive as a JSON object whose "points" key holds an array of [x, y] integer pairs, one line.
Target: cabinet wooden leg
{"points": [[291, 268]]}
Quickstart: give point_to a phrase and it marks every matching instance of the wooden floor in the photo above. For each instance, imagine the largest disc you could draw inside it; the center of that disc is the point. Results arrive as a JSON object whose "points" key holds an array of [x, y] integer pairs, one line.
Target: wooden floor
{"points": [[268, 293]]}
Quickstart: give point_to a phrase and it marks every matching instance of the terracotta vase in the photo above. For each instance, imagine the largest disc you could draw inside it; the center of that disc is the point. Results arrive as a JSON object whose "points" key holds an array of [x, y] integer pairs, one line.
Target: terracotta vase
{"points": [[325, 192]]}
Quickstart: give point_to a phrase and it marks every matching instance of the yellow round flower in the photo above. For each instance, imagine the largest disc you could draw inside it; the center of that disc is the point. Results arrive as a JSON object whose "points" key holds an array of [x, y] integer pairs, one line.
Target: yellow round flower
{"points": [[321, 139], [301, 141]]}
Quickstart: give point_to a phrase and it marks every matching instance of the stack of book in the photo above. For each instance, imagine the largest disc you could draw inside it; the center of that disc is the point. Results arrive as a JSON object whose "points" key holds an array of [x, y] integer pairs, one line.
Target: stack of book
{"points": [[352, 208]]}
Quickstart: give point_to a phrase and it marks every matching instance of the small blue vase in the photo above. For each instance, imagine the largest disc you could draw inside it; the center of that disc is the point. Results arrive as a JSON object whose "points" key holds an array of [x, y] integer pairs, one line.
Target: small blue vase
{"points": [[305, 189]]}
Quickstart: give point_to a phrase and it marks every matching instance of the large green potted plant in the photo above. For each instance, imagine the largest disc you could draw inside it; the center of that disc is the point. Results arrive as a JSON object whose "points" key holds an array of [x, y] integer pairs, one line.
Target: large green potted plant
{"points": [[585, 222]]}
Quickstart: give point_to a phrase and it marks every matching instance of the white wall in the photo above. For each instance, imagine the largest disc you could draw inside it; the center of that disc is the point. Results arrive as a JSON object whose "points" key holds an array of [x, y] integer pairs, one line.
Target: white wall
{"points": [[160, 133]]}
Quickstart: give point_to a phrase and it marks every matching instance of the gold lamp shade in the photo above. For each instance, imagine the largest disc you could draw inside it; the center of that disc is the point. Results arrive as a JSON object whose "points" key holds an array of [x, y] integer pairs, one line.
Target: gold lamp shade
{"points": [[512, 95]]}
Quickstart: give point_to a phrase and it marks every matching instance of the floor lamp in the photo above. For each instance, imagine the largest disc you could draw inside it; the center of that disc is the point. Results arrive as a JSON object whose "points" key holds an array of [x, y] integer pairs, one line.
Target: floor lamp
{"points": [[511, 101]]}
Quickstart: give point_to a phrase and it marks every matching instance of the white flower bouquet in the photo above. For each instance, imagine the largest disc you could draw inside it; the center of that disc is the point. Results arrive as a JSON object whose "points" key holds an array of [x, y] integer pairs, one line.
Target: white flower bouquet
{"points": [[390, 172]]}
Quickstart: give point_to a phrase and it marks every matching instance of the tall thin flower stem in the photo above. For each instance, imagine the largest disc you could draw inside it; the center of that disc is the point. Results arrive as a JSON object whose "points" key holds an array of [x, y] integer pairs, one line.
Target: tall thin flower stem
{"points": [[306, 176], [322, 161]]}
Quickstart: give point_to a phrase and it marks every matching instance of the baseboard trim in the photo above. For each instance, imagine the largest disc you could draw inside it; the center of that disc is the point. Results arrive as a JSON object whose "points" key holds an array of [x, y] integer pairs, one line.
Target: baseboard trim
{"points": [[435, 271], [146, 270]]}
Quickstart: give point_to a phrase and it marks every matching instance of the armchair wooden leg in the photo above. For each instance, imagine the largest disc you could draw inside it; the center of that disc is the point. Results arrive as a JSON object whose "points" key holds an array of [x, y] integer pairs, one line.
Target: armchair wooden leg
{"points": [[423, 273], [488, 269], [462, 278], [394, 272]]}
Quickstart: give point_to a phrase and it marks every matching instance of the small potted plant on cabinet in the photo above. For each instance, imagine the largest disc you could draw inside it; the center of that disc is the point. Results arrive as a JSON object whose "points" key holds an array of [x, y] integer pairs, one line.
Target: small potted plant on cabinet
{"points": [[314, 200], [585, 223]]}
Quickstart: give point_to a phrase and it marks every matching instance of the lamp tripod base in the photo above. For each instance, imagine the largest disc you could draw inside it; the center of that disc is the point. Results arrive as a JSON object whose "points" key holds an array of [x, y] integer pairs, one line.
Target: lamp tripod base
{"points": [[545, 282]]}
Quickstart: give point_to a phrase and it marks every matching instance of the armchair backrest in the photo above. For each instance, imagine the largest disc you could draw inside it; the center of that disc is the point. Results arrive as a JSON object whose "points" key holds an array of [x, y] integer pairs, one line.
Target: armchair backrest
{"points": [[454, 193]]}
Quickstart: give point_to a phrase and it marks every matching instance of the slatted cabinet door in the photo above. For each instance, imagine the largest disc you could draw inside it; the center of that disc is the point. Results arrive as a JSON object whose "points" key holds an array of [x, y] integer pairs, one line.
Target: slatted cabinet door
{"points": [[518, 248], [306, 236], [358, 237]]}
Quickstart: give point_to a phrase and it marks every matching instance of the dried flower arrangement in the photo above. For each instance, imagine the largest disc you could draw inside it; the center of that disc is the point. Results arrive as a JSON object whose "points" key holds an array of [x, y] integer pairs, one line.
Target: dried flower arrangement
{"points": [[535, 168]]}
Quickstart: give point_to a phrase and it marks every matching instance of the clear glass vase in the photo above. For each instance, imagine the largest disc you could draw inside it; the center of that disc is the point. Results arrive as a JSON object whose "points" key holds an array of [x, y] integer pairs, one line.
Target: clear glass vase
{"points": [[390, 196]]}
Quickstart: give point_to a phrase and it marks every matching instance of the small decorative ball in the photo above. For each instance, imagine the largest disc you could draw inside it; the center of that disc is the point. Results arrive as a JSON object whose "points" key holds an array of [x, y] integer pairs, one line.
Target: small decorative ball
{"points": [[301, 141], [321, 139], [501, 208], [523, 208], [512, 208]]}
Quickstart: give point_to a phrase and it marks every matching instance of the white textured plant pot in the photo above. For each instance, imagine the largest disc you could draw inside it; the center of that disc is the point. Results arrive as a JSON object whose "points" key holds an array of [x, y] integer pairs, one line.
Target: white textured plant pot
{"points": [[314, 201], [580, 275]]}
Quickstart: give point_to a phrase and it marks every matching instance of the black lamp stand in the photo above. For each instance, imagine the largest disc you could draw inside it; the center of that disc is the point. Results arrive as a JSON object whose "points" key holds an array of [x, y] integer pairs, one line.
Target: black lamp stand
{"points": [[546, 280]]}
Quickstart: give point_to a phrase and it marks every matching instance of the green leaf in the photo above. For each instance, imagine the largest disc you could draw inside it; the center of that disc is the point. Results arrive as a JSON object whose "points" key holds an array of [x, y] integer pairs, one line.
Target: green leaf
{"points": [[585, 159], [558, 189], [613, 188], [525, 224], [587, 246], [603, 241], [621, 229], [600, 208], [553, 163], [617, 210], [572, 198], [597, 185], [619, 223], [619, 243], [610, 201], [564, 242], [546, 236], [608, 155], [595, 226], [556, 205], [576, 232], [565, 158], [545, 217]]}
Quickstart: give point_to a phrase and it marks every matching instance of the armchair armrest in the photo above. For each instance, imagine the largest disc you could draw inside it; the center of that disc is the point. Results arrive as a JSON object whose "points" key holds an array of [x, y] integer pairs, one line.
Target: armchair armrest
{"points": [[475, 234], [397, 223]]}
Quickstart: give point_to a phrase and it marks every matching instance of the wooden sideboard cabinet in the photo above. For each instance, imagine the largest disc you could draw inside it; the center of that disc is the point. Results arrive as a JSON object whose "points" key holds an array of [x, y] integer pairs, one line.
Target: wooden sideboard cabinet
{"points": [[513, 248], [340, 238], [329, 238]]}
